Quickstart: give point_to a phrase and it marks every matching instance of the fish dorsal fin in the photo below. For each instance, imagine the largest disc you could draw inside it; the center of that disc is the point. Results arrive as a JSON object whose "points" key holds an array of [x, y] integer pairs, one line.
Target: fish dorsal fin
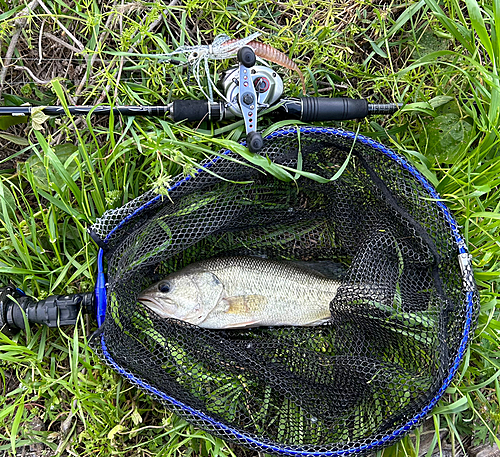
{"points": [[210, 293]]}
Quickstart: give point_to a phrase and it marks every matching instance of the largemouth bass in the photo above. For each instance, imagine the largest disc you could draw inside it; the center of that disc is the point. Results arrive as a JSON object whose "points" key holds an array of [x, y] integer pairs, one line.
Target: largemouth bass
{"points": [[241, 292]]}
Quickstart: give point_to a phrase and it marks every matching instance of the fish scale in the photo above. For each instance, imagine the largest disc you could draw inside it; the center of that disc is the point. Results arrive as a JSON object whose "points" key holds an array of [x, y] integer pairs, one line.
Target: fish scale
{"points": [[239, 292]]}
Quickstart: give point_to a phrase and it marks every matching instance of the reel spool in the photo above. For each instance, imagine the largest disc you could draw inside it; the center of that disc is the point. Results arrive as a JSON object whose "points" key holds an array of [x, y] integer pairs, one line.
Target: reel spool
{"points": [[267, 83]]}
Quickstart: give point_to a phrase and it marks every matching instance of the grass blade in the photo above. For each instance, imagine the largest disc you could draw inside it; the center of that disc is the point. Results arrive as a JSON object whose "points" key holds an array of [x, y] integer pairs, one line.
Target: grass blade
{"points": [[479, 26], [15, 424]]}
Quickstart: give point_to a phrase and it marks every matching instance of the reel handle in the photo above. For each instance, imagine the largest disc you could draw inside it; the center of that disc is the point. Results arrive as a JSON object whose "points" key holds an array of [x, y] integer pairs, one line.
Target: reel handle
{"points": [[246, 56], [54, 311], [255, 142], [247, 98]]}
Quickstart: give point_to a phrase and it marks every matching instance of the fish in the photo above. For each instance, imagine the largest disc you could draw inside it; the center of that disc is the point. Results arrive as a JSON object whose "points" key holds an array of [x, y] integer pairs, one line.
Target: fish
{"points": [[243, 292]]}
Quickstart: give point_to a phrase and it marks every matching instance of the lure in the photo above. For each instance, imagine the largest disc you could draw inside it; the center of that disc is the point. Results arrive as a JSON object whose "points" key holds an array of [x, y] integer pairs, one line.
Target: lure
{"points": [[272, 54], [224, 47]]}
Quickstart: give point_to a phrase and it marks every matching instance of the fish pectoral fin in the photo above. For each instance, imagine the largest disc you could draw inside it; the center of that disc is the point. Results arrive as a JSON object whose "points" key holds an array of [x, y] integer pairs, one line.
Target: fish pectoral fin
{"points": [[244, 304]]}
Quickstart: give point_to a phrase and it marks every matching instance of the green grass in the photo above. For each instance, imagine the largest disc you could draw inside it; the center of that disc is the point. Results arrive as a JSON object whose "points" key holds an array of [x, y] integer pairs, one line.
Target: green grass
{"points": [[441, 59]]}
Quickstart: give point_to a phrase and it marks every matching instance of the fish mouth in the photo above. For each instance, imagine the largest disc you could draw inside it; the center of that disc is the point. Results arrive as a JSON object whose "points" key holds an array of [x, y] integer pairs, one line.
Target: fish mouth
{"points": [[144, 299], [153, 305]]}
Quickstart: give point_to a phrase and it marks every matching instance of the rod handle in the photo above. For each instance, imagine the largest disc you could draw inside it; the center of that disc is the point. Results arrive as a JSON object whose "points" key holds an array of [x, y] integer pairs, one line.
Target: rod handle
{"points": [[196, 110], [310, 109], [332, 109]]}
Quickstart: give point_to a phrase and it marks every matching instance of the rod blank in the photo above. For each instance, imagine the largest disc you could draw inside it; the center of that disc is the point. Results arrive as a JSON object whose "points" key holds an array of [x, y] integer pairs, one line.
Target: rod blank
{"points": [[151, 111]]}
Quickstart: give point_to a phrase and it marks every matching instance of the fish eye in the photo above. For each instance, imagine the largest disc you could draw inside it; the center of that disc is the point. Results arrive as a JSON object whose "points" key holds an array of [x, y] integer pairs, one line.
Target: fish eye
{"points": [[164, 287]]}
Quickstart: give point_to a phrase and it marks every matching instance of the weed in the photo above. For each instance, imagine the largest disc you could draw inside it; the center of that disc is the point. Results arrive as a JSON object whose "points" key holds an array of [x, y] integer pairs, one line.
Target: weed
{"points": [[440, 59]]}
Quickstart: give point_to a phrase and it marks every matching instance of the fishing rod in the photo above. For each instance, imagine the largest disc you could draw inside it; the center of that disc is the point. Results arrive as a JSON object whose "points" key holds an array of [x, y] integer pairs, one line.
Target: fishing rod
{"points": [[307, 109], [246, 90]]}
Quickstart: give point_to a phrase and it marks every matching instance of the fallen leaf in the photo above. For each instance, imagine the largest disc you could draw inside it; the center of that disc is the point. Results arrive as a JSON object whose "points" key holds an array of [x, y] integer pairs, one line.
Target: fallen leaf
{"points": [[38, 117]]}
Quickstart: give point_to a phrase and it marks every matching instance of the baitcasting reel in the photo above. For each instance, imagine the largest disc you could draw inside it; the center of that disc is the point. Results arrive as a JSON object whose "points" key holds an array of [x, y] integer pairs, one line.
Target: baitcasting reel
{"points": [[267, 83], [249, 89]]}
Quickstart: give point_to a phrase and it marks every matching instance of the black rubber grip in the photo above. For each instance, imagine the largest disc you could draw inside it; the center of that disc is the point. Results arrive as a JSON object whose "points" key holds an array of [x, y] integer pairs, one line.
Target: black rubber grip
{"points": [[332, 109], [189, 110], [54, 311]]}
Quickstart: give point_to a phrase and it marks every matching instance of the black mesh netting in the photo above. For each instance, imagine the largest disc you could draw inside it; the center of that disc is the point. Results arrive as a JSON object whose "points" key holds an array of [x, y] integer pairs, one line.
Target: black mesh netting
{"points": [[399, 322]]}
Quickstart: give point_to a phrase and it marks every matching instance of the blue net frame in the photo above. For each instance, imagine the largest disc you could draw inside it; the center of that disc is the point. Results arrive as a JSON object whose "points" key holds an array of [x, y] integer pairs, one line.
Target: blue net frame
{"points": [[149, 200]]}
